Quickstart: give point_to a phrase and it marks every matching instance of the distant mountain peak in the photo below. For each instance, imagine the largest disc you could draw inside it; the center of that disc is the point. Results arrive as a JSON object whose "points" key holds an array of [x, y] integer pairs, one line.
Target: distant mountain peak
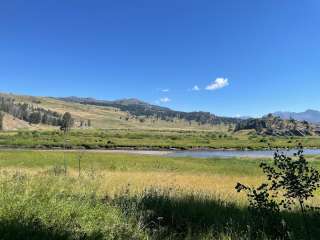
{"points": [[140, 108], [310, 115], [311, 111], [130, 101]]}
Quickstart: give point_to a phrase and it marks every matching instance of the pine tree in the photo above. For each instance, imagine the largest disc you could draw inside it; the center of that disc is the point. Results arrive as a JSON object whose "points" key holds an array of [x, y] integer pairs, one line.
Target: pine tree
{"points": [[1, 120], [67, 122]]}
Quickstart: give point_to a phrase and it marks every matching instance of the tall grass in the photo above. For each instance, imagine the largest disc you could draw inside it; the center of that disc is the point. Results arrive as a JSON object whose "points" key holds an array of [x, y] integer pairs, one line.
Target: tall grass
{"points": [[150, 139], [127, 162], [119, 196], [42, 205], [168, 214]]}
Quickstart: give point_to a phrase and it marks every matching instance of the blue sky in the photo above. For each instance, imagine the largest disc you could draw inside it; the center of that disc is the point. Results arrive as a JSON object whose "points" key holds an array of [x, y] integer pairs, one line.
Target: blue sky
{"points": [[246, 57]]}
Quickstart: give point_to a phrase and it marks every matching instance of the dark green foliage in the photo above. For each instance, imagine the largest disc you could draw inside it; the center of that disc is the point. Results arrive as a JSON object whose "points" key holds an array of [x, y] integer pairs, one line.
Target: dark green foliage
{"points": [[293, 177], [149, 139], [141, 109], [259, 198], [256, 124], [1, 120], [186, 217], [168, 215], [264, 212], [29, 113], [291, 181], [35, 117], [66, 122]]}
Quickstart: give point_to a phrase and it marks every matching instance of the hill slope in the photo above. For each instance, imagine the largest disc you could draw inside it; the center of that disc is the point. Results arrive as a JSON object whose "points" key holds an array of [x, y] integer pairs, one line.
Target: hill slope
{"points": [[113, 115], [136, 114], [12, 123], [139, 108]]}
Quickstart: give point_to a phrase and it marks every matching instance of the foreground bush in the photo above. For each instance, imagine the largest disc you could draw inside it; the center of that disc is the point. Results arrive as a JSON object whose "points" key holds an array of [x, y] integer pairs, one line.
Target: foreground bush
{"points": [[291, 183], [174, 215]]}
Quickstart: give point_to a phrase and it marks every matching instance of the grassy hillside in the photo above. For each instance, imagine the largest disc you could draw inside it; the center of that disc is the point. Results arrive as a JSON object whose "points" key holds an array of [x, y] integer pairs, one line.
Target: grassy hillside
{"points": [[105, 117], [113, 128], [143, 109], [11, 123]]}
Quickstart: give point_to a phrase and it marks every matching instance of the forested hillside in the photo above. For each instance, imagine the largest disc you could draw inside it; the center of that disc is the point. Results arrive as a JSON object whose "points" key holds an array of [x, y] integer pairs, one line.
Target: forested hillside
{"points": [[136, 114], [122, 114], [29, 113], [142, 109]]}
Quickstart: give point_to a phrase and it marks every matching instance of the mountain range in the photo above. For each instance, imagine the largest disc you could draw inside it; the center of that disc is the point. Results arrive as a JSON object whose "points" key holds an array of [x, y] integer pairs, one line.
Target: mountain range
{"points": [[46, 112], [139, 108], [23, 111], [312, 116]]}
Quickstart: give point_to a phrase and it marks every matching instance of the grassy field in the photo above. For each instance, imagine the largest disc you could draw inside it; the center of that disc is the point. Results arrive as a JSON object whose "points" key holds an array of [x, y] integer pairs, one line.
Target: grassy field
{"points": [[150, 139], [121, 196]]}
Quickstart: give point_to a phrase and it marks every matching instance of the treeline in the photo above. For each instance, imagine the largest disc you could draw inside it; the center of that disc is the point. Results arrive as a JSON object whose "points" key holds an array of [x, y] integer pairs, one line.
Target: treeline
{"points": [[168, 114], [252, 123], [141, 109], [29, 113], [1, 120]]}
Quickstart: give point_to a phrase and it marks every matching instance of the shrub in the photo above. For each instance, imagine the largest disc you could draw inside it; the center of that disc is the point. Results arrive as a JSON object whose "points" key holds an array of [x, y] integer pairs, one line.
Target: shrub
{"points": [[291, 181]]}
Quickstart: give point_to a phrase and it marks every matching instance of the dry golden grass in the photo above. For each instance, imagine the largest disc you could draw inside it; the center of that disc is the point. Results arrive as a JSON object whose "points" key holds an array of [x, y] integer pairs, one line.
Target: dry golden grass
{"points": [[114, 182], [12, 123], [107, 117], [111, 118], [190, 183]]}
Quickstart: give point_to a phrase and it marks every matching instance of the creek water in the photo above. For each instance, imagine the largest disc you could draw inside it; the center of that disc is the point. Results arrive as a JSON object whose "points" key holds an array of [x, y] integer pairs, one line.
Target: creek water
{"points": [[236, 153]]}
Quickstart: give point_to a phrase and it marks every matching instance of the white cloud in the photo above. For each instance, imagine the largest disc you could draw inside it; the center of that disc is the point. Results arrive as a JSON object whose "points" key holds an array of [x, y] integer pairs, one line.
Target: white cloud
{"points": [[195, 88], [165, 100], [165, 90], [217, 84]]}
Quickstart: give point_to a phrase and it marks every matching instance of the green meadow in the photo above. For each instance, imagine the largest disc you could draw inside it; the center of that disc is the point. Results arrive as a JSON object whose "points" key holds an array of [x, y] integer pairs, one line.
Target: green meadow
{"points": [[150, 139], [96, 195]]}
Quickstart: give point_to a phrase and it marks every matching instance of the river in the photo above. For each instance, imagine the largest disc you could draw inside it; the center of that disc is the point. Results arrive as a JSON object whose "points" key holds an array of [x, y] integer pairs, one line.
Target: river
{"points": [[235, 153]]}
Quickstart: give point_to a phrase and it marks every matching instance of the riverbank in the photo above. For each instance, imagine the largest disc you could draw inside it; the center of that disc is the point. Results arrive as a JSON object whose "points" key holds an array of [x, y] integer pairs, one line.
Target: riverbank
{"points": [[174, 153], [150, 141]]}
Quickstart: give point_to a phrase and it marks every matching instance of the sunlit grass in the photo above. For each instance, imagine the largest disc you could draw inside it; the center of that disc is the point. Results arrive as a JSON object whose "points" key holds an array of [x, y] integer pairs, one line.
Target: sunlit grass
{"points": [[121, 196], [151, 139]]}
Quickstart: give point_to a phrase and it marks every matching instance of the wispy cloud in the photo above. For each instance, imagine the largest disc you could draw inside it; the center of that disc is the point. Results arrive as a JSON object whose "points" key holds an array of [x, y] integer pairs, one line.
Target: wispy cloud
{"points": [[165, 90], [217, 84], [165, 100], [195, 88]]}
